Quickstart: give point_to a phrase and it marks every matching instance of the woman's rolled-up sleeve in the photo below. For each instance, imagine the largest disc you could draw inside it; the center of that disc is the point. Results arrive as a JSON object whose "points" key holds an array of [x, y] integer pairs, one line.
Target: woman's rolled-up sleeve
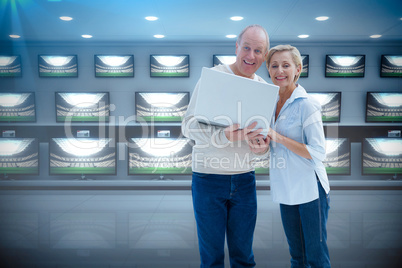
{"points": [[313, 134]]}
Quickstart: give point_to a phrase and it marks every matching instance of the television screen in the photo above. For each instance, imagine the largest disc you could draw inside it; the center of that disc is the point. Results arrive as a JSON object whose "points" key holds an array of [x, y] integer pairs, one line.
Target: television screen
{"points": [[17, 107], [382, 156], [19, 156], [330, 105], [391, 66], [170, 66], [344, 65], [114, 66], [82, 106], [83, 156], [58, 66], [384, 107], [223, 59], [337, 161], [10, 66], [161, 106], [305, 62], [160, 156]]}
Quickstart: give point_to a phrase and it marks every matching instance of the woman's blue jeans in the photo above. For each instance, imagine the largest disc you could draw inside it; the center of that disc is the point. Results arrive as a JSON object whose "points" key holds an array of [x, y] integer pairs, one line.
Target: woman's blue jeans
{"points": [[225, 205], [306, 232]]}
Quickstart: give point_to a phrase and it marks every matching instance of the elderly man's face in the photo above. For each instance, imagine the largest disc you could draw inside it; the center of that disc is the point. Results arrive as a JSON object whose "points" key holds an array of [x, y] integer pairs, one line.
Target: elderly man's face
{"points": [[250, 52]]}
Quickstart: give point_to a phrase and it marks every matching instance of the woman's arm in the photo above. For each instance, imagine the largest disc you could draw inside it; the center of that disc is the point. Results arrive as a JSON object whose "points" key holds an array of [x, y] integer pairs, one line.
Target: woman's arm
{"points": [[294, 146], [313, 146]]}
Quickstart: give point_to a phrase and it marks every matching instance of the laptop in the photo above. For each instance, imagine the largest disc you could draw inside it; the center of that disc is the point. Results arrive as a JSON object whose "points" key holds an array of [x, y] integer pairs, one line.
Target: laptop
{"points": [[224, 99]]}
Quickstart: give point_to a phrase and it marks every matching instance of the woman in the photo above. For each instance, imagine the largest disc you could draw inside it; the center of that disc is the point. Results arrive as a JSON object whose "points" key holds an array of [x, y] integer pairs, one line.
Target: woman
{"points": [[298, 179]]}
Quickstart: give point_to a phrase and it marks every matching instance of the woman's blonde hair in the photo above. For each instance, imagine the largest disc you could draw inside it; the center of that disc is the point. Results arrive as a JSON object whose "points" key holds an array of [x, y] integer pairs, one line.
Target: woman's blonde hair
{"points": [[296, 57]]}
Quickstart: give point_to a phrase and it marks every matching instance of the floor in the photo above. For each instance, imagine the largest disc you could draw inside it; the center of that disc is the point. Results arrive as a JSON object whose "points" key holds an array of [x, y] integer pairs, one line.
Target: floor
{"points": [[156, 228]]}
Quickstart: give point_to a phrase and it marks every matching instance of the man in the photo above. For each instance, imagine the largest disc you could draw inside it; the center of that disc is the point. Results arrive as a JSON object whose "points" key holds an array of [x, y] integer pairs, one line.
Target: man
{"points": [[223, 183]]}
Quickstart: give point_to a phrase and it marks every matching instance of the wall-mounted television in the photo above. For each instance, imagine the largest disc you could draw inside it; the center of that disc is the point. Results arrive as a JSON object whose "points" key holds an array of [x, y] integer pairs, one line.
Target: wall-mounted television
{"points": [[10, 66], [338, 160], [114, 65], [82, 106], [391, 66], [223, 59], [382, 156], [170, 65], [17, 107], [330, 105], [19, 156], [160, 156], [82, 156], [384, 107], [305, 63], [161, 106], [58, 65], [345, 65]]}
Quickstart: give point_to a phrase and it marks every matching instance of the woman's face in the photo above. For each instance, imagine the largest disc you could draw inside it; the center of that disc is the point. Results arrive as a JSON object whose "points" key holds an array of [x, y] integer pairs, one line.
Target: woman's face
{"points": [[282, 69]]}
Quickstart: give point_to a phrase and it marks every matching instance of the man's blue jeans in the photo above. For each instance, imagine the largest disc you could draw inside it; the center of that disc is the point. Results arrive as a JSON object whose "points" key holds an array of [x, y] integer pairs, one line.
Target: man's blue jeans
{"points": [[306, 231], [225, 204]]}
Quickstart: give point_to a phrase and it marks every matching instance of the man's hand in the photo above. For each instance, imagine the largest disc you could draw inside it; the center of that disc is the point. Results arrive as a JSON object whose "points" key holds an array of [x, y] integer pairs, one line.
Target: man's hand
{"points": [[233, 133]]}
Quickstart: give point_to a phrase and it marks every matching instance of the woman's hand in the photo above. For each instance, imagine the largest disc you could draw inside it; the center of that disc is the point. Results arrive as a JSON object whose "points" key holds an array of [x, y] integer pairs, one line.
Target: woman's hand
{"points": [[275, 136], [258, 143]]}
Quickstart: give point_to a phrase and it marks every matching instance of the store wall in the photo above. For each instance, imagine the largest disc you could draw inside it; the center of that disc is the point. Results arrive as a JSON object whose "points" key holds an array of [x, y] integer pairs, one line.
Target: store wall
{"points": [[122, 89]]}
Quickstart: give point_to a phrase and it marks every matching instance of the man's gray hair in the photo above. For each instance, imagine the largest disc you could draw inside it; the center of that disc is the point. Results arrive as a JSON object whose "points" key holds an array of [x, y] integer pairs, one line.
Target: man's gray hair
{"points": [[254, 26]]}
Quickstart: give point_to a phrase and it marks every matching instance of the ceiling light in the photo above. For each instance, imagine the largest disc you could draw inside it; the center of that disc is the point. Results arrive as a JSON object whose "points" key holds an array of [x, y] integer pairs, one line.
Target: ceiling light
{"points": [[151, 18], [375, 36], [14, 36], [303, 36], [159, 36], [322, 18], [86, 36], [236, 18], [66, 18], [231, 36]]}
